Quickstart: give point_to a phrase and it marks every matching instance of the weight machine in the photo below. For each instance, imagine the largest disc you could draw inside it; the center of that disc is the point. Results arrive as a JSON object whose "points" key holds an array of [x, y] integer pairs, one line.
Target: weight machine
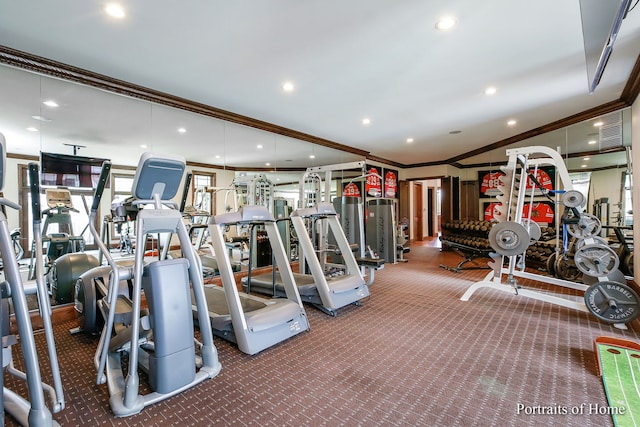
{"points": [[607, 297]]}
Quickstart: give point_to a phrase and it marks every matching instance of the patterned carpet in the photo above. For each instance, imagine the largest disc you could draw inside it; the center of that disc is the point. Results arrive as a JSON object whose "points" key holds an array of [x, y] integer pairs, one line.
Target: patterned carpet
{"points": [[413, 354]]}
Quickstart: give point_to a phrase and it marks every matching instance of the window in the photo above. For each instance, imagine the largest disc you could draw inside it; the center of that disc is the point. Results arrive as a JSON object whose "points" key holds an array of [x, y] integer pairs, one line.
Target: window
{"points": [[581, 182], [202, 195], [121, 185], [626, 199]]}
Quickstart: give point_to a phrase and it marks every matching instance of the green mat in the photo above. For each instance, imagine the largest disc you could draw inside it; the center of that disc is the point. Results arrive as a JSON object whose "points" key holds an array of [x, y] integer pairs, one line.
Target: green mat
{"points": [[619, 365]]}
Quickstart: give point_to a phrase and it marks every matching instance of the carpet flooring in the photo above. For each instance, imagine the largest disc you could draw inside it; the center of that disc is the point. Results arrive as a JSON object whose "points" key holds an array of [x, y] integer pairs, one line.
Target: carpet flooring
{"points": [[412, 354]]}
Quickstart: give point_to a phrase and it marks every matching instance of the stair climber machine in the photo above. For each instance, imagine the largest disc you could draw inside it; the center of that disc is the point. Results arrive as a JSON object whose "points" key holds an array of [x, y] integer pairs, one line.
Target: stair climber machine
{"points": [[606, 293], [160, 341], [34, 411], [252, 322], [326, 290]]}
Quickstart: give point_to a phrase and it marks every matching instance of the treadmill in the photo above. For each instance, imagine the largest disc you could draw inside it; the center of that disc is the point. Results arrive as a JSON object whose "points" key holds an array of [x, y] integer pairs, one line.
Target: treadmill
{"points": [[253, 323], [326, 292]]}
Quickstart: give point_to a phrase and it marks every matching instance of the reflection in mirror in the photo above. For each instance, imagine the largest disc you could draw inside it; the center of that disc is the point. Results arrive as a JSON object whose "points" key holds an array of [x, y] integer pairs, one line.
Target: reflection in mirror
{"points": [[82, 120], [597, 154], [20, 109]]}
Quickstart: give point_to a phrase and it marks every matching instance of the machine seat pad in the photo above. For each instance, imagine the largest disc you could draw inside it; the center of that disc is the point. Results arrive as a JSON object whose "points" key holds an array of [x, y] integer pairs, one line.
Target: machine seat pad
{"points": [[370, 262]]}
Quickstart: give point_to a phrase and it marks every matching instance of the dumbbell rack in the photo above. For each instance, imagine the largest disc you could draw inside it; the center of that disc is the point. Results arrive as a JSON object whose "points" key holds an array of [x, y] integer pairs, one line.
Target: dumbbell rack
{"points": [[516, 233]]}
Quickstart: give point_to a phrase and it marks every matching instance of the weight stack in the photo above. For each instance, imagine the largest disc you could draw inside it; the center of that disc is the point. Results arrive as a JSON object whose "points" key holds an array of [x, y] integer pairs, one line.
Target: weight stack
{"points": [[381, 228]]}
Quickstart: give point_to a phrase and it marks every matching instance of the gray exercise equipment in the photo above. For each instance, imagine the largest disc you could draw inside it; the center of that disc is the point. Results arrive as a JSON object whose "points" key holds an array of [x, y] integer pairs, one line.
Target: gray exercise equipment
{"points": [[326, 292], [612, 276], [596, 259], [34, 411], [381, 228], [252, 322], [594, 239], [612, 302], [573, 199], [162, 343], [509, 238], [533, 229], [587, 226], [336, 291]]}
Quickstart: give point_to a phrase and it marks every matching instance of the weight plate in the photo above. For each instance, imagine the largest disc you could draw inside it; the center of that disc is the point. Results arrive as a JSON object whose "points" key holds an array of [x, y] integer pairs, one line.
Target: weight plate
{"points": [[596, 260], [613, 276], [566, 269], [588, 225], [533, 229], [628, 263], [573, 199], [594, 239], [612, 302], [551, 264], [509, 238]]}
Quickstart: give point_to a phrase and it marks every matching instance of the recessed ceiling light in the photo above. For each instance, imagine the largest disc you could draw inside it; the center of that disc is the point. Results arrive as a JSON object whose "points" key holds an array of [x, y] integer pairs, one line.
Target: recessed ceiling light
{"points": [[32, 129], [51, 103], [586, 159], [288, 86], [144, 146], [259, 146], [593, 141], [598, 124], [511, 123], [446, 23], [584, 166], [491, 90], [409, 140], [267, 164], [366, 121], [217, 156], [182, 130], [41, 118], [114, 10], [312, 156]]}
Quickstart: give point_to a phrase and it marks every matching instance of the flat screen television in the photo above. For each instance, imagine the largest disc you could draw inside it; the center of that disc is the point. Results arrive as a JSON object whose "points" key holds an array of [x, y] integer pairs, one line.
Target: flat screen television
{"points": [[64, 170]]}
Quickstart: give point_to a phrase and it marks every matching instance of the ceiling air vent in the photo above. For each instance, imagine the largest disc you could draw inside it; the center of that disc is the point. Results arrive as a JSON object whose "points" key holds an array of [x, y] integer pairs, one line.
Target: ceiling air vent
{"points": [[611, 131]]}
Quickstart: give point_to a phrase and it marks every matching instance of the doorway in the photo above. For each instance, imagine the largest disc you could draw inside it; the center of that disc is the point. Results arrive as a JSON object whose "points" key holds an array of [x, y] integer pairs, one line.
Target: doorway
{"points": [[417, 211]]}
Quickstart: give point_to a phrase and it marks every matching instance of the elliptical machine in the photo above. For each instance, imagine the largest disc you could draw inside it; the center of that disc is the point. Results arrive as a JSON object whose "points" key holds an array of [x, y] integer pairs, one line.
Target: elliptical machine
{"points": [[34, 411], [170, 358]]}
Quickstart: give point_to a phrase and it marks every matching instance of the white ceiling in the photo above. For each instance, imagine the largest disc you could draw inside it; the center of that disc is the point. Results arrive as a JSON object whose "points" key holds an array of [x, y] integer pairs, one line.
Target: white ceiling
{"points": [[381, 59]]}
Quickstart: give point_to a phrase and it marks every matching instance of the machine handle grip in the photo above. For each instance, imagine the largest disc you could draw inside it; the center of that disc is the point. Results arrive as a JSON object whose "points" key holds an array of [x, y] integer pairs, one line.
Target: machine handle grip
{"points": [[102, 182], [185, 190], [34, 186]]}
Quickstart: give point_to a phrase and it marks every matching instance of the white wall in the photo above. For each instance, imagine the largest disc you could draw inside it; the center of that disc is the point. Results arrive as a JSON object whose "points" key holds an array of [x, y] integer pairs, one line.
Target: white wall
{"points": [[606, 183], [10, 190]]}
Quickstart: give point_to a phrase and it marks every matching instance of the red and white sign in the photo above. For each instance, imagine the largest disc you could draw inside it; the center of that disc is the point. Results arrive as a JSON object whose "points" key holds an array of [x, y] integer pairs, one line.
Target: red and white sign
{"points": [[543, 178], [540, 212], [492, 211], [373, 186], [351, 190], [390, 184], [490, 185]]}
